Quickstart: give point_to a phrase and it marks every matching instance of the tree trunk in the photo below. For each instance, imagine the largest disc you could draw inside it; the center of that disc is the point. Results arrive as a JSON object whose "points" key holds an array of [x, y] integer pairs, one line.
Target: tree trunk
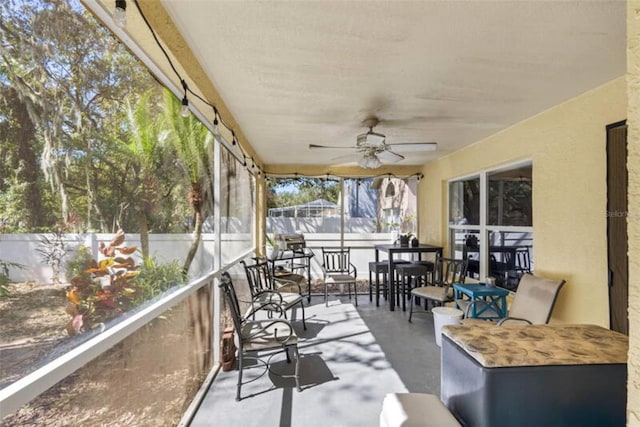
{"points": [[144, 234], [195, 243], [28, 164]]}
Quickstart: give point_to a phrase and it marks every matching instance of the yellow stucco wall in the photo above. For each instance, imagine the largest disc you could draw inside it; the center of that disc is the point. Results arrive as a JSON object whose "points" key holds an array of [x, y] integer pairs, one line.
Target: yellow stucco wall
{"points": [[633, 217], [567, 147]]}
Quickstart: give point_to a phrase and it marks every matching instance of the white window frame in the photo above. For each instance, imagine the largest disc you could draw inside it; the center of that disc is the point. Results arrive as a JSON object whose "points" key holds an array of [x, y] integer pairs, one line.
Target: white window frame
{"points": [[483, 228]]}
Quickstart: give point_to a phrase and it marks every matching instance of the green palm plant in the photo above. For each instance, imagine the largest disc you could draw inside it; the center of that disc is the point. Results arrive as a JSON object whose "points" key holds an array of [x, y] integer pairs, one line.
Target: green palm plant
{"points": [[145, 146], [191, 141]]}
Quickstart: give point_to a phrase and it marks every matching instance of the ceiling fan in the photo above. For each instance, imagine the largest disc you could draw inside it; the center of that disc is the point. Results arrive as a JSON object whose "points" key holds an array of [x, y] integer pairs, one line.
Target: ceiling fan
{"points": [[374, 148]]}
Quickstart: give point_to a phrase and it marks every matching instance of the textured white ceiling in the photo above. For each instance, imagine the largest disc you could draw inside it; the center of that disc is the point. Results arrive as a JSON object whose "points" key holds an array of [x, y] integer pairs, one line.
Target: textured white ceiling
{"points": [[310, 72]]}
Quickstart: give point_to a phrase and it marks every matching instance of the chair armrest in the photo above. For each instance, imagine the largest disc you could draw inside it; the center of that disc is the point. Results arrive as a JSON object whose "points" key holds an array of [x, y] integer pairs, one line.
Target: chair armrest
{"points": [[324, 271], [514, 319], [273, 296], [282, 325], [353, 270], [256, 306]]}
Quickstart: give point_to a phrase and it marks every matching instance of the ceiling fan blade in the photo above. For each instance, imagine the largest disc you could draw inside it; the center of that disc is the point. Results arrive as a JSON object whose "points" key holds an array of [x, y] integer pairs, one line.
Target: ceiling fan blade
{"points": [[332, 147], [346, 158], [390, 156], [415, 146]]}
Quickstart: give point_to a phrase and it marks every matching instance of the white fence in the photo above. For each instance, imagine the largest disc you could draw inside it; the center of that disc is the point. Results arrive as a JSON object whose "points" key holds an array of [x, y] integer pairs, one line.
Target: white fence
{"points": [[23, 249], [320, 225]]}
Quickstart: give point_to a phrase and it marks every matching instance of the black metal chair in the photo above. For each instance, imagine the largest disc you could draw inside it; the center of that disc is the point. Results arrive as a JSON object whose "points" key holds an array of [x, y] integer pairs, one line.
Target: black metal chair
{"points": [[265, 293], [255, 336], [338, 269], [523, 261], [447, 272]]}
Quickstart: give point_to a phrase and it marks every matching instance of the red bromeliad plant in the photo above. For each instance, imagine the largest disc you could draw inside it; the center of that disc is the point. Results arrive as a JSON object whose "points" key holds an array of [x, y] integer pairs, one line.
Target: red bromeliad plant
{"points": [[105, 290]]}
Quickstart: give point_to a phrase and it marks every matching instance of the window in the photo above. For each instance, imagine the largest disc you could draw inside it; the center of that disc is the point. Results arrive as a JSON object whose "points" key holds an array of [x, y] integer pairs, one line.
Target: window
{"points": [[497, 239], [464, 201], [509, 198]]}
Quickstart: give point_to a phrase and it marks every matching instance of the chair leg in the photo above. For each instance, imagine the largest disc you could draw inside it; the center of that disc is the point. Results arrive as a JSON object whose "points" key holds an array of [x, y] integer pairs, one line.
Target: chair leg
{"points": [[239, 375], [286, 351], [304, 323], [326, 300], [377, 289], [296, 373], [385, 280], [411, 307], [355, 292], [371, 286], [406, 284]]}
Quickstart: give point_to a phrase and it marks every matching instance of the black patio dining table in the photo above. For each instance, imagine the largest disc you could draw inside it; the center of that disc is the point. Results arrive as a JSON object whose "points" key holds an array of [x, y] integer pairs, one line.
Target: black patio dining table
{"points": [[395, 249]]}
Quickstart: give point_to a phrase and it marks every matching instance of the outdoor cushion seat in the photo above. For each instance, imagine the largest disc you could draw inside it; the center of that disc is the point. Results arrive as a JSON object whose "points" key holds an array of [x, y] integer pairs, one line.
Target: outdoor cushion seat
{"points": [[503, 376], [290, 282], [435, 293], [415, 410]]}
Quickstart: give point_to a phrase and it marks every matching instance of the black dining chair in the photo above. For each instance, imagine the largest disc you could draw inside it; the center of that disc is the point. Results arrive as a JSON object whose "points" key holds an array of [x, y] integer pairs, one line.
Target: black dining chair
{"points": [[256, 336], [265, 293], [447, 272], [338, 269]]}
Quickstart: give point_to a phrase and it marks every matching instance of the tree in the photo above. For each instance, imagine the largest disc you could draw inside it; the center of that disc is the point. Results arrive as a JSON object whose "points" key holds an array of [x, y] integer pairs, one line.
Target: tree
{"points": [[296, 191], [70, 77], [192, 142], [145, 145]]}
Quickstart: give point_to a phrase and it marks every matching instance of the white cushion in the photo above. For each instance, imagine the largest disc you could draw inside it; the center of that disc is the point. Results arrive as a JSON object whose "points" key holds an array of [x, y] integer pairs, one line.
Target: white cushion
{"points": [[436, 293], [415, 410]]}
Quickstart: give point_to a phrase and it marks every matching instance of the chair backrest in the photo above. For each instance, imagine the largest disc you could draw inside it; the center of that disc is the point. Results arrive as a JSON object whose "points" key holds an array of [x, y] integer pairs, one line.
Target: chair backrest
{"points": [[449, 271], [259, 277], [535, 298], [523, 260], [232, 300], [336, 260]]}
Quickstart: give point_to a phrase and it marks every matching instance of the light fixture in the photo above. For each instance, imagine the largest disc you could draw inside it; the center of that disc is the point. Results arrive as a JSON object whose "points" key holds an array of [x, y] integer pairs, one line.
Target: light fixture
{"points": [[184, 112], [370, 161], [120, 13], [391, 190], [216, 129]]}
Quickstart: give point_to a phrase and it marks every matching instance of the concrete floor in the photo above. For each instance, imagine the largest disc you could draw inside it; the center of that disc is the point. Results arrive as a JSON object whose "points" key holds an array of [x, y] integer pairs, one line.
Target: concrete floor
{"points": [[410, 347], [351, 359]]}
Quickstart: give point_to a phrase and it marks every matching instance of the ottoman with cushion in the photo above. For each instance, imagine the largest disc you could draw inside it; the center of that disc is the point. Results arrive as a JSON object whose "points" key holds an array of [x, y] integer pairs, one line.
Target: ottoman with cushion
{"points": [[534, 375]]}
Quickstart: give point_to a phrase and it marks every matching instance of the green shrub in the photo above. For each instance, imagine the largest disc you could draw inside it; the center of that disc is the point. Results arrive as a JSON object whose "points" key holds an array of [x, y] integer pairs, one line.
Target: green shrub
{"points": [[79, 264], [4, 275], [155, 278]]}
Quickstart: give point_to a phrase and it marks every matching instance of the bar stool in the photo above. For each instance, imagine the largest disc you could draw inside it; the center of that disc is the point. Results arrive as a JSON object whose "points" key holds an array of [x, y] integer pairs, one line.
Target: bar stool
{"points": [[377, 268], [409, 273]]}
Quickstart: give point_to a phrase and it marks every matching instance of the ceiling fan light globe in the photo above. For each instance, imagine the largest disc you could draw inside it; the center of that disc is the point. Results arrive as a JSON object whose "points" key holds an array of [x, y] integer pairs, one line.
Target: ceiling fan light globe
{"points": [[370, 161]]}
